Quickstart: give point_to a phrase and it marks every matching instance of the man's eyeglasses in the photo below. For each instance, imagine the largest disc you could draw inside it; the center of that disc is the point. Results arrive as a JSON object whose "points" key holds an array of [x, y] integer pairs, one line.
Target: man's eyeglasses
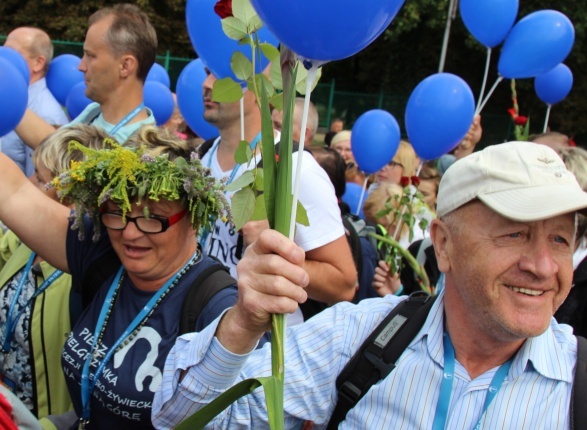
{"points": [[393, 164], [152, 225]]}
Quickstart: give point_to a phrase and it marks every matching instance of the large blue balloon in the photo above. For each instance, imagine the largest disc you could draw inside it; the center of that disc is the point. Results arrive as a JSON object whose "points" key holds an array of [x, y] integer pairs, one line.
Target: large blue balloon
{"points": [[438, 115], [17, 61], [76, 100], [212, 45], [352, 196], [489, 21], [13, 96], [554, 85], [159, 99], [63, 74], [536, 44], [323, 30], [374, 140], [159, 74], [191, 101]]}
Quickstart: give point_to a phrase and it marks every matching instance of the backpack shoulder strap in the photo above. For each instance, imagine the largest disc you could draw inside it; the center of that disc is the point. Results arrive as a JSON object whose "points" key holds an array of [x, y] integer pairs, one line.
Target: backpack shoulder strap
{"points": [[212, 280], [354, 241], [377, 356], [205, 147], [97, 274], [579, 393]]}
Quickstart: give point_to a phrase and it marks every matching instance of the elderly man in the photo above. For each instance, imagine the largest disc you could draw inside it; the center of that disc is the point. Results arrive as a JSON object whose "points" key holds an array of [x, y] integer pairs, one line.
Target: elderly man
{"points": [[119, 50], [489, 354], [36, 48]]}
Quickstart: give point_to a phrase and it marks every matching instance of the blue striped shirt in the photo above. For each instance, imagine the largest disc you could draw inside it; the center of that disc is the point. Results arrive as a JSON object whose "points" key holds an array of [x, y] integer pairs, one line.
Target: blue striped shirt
{"points": [[535, 394]]}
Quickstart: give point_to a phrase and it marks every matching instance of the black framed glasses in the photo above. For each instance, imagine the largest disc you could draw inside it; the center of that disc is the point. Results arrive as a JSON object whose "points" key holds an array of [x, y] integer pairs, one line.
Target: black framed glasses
{"points": [[152, 225]]}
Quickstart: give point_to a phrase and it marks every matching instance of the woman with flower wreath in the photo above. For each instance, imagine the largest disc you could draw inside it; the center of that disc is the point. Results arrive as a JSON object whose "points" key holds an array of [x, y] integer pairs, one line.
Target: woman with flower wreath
{"points": [[146, 204]]}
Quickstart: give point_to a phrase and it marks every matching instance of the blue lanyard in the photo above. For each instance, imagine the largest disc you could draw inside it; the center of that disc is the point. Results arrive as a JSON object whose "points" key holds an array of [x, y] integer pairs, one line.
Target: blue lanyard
{"points": [[10, 321], [127, 119], [446, 386], [254, 142], [87, 385]]}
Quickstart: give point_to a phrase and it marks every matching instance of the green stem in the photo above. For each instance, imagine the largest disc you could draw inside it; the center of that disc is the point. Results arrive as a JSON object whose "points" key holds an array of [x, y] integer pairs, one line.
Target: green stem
{"points": [[418, 268]]}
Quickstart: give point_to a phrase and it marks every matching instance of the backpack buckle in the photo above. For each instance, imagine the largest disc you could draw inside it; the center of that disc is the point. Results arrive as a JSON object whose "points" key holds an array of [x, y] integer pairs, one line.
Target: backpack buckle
{"points": [[350, 392], [378, 363]]}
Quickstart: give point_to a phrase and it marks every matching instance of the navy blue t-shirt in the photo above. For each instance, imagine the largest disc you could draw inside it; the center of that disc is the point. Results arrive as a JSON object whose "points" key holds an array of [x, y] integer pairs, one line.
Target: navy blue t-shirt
{"points": [[123, 395]]}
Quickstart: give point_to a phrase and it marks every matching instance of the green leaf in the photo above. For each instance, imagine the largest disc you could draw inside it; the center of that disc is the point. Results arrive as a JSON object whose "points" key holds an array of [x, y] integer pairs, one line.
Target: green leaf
{"points": [[260, 213], [277, 101], [270, 52], [244, 11], [243, 180], [302, 215], [226, 90], [259, 180], [245, 40], [269, 163], [261, 81], [255, 24], [243, 206], [243, 153], [234, 28], [241, 66], [302, 77]]}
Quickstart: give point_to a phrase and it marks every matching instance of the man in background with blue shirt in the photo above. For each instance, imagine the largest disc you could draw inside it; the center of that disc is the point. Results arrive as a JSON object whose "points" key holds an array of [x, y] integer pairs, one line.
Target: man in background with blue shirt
{"points": [[489, 354]]}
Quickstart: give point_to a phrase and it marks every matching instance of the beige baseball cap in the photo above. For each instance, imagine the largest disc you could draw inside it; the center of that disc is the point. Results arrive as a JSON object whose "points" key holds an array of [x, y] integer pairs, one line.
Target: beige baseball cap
{"points": [[522, 181]]}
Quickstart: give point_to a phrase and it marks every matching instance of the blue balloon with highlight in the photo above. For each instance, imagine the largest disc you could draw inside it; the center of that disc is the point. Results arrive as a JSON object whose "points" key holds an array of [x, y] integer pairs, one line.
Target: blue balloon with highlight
{"points": [[327, 31], [438, 114], [489, 21], [352, 197], [212, 45], [159, 74], [17, 61], [374, 140], [536, 44], [191, 101], [13, 96], [554, 85], [159, 99], [63, 74], [76, 100]]}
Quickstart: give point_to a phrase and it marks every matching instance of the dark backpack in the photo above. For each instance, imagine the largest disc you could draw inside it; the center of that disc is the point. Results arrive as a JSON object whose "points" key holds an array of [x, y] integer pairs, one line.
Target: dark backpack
{"points": [[377, 356], [210, 281]]}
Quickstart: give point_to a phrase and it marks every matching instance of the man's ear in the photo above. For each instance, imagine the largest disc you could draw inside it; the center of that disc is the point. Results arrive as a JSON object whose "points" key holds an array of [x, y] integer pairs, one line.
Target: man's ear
{"points": [[128, 66], [39, 63], [441, 239]]}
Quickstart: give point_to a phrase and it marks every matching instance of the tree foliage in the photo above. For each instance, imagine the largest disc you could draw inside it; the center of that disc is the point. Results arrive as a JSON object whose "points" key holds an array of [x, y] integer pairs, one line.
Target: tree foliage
{"points": [[395, 63]]}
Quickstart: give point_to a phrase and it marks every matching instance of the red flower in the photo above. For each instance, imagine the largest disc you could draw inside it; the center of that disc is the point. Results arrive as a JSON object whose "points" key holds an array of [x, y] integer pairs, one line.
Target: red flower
{"points": [[404, 181], [415, 180], [223, 8], [520, 120], [513, 113]]}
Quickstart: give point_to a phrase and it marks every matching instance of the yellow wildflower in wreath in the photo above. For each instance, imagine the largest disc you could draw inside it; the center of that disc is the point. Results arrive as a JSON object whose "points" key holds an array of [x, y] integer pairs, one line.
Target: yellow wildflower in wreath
{"points": [[154, 165]]}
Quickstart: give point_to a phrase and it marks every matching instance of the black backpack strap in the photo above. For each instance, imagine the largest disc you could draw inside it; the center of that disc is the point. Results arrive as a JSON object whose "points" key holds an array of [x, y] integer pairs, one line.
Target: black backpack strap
{"points": [[212, 280], [97, 274], [579, 393], [205, 147], [377, 356], [354, 242]]}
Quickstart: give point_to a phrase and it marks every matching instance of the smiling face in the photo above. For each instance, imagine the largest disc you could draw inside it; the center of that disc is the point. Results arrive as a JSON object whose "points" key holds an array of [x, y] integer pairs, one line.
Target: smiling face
{"points": [[344, 149], [504, 279], [151, 259]]}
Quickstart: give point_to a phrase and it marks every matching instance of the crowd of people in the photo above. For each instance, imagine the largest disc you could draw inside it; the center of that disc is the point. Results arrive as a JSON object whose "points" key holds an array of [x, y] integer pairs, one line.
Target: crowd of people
{"points": [[129, 300]]}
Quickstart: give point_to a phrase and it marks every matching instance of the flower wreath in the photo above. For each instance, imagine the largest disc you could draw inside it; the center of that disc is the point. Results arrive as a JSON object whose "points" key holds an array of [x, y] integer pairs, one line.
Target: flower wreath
{"points": [[124, 175]]}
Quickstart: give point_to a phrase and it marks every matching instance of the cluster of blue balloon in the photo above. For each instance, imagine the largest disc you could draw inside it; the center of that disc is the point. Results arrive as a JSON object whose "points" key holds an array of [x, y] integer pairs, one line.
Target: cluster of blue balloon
{"points": [[14, 83], [554, 85]]}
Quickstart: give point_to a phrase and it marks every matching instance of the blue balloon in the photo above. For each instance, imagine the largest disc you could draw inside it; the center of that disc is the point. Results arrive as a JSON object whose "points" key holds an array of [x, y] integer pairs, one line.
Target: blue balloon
{"points": [[489, 21], [17, 61], [212, 45], [159, 99], [438, 115], [374, 140], [63, 74], [14, 94], [536, 44], [76, 100], [352, 196], [159, 74], [326, 31], [190, 99], [554, 85]]}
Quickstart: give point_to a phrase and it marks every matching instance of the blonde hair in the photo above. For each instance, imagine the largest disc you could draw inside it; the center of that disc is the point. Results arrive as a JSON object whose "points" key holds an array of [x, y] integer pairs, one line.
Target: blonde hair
{"points": [[407, 157], [159, 141], [385, 194], [54, 153]]}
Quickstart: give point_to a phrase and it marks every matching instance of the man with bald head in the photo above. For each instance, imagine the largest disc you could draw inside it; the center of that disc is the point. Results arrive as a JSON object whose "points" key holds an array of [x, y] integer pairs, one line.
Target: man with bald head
{"points": [[36, 48]]}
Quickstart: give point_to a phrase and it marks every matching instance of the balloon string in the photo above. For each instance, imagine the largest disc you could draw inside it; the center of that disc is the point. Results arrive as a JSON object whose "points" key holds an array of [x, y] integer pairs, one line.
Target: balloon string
{"points": [[294, 205], [489, 94], [484, 81], [419, 167], [242, 105], [363, 190], [547, 118]]}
